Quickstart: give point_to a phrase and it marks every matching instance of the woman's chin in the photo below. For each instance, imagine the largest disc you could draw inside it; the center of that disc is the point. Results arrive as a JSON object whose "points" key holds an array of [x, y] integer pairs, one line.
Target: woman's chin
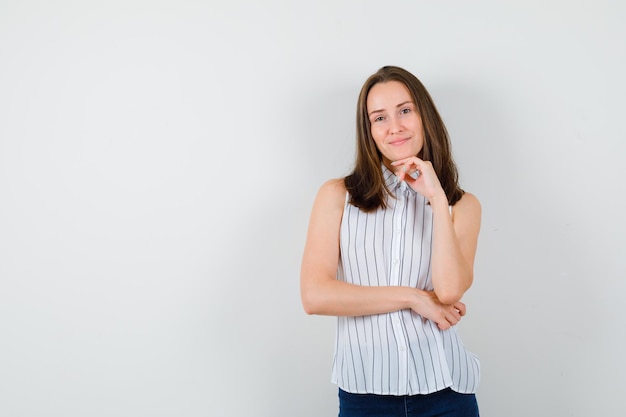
{"points": [[399, 156]]}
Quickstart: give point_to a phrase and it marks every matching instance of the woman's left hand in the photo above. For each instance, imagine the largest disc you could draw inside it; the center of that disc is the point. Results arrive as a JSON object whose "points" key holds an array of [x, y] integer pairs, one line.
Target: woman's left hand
{"points": [[426, 183]]}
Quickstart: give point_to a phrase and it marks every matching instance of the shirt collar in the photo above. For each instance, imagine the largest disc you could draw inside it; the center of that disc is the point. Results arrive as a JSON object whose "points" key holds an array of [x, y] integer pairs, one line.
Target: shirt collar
{"points": [[392, 183]]}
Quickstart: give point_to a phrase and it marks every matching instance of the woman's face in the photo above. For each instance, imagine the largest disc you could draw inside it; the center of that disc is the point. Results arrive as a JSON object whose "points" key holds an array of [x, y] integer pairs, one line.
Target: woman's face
{"points": [[395, 123]]}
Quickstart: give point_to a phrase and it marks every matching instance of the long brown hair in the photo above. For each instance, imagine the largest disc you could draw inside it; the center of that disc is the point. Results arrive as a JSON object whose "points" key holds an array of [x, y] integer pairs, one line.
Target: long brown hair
{"points": [[366, 183]]}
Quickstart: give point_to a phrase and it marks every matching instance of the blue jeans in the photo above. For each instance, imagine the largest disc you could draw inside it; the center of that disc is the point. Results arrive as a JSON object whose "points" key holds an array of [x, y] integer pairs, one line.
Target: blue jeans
{"points": [[442, 403]]}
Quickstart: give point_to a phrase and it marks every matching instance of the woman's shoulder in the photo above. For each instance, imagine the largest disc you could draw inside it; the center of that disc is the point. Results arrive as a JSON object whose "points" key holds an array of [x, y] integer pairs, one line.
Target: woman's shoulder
{"points": [[468, 204], [333, 192], [335, 185], [469, 199]]}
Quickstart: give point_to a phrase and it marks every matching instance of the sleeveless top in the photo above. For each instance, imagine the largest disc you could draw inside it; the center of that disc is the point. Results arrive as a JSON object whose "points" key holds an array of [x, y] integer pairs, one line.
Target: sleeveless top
{"points": [[398, 353]]}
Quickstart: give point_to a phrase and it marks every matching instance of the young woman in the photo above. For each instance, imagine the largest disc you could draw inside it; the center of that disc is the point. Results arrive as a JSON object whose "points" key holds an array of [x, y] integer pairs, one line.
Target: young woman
{"points": [[390, 251]]}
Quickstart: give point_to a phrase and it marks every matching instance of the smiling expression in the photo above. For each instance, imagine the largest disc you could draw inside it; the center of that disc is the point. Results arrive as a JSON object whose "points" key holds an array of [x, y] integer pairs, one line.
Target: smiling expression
{"points": [[396, 125]]}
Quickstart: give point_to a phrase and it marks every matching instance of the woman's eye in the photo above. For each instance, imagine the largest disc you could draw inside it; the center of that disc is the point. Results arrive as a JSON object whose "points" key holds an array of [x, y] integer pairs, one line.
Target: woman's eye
{"points": [[405, 111], [379, 119]]}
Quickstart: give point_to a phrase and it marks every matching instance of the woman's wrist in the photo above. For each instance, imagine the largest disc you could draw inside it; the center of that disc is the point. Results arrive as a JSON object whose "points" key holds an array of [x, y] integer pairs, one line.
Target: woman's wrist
{"points": [[439, 199]]}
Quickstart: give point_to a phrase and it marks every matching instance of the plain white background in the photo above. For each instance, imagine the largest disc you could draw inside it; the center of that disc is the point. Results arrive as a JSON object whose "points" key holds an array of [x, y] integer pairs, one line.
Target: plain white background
{"points": [[159, 159]]}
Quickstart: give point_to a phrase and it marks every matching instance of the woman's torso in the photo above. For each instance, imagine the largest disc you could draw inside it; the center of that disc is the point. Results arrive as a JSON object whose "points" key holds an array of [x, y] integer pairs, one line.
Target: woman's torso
{"points": [[397, 353]]}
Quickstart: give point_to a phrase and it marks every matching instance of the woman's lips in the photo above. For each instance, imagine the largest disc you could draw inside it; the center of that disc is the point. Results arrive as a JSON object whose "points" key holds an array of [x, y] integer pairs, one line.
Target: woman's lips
{"points": [[396, 142]]}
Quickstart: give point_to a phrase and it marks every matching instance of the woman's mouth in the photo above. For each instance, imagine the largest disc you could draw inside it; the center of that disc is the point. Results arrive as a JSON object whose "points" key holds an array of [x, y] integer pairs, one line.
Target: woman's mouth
{"points": [[397, 142]]}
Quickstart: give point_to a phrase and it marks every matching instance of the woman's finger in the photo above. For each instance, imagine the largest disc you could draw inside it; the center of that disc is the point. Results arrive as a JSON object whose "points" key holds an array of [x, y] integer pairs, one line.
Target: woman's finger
{"points": [[407, 166]]}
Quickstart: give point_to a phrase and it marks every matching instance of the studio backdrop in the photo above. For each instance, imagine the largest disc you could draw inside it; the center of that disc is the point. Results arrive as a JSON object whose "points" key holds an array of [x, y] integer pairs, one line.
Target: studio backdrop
{"points": [[159, 161]]}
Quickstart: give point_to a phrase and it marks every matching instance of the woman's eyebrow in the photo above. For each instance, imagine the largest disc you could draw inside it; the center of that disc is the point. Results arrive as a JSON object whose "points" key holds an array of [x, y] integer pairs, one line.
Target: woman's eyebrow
{"points": [[399, 105]]}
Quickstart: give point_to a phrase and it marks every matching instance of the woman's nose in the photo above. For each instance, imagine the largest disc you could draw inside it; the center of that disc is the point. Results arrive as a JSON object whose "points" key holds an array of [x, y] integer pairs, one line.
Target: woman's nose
{"points": [[395, 125]]}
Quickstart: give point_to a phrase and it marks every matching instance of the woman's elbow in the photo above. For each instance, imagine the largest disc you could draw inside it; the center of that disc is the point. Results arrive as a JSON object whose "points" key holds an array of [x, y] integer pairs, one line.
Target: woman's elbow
{"points": [[449, 297], [310, 301], [308, 305], [451, 287]]}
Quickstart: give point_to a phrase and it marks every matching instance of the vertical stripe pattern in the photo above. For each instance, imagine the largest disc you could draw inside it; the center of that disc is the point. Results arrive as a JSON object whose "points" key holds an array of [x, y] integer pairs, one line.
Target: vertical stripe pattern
{"points": [[398, 353]]}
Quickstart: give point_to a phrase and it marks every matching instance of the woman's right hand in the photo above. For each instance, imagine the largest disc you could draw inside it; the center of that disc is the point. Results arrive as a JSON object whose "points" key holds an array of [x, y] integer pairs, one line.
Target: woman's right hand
{"points": [[428, 306]]}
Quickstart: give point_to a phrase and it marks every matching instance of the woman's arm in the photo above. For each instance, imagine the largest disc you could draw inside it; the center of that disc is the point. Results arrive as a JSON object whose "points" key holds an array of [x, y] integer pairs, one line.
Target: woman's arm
{"points": [[454, 246], [323, 294], [455, 237]]}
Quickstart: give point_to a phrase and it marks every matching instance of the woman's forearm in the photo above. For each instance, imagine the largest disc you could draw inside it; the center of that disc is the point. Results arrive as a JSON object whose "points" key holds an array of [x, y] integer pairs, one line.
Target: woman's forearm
{"points": [[452, 268], [338, 298]]}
